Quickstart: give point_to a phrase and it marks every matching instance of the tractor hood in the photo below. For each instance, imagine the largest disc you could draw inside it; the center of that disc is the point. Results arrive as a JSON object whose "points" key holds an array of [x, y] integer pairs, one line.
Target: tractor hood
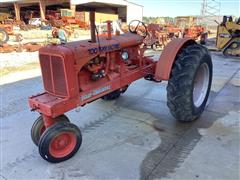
{"points": [[84, 49]]}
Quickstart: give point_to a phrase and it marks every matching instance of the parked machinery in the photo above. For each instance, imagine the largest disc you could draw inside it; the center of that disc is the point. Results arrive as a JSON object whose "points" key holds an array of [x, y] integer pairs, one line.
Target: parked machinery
{"points": [[228, 36], [6, 27], [196, 32], [78, 73], [160, 35], [77, 18], [156, 36]]}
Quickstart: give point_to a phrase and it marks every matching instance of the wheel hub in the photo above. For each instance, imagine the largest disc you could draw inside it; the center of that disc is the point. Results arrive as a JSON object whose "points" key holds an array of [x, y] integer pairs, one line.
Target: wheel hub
{"points": [[201, 82], [62, 145]]}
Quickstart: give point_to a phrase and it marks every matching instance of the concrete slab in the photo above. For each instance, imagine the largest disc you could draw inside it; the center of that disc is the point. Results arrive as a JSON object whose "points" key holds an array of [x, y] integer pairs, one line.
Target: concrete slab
{"points": [[216, 156], [134, 137]]}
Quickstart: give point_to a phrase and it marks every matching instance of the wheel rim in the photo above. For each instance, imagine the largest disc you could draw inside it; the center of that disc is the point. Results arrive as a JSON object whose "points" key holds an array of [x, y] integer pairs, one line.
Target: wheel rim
{"points": [[201, 83], [63, 144]]}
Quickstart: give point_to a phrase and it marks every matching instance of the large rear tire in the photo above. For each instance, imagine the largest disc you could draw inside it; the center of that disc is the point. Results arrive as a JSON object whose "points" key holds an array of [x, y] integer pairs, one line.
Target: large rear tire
{"points": [[190, 83]]}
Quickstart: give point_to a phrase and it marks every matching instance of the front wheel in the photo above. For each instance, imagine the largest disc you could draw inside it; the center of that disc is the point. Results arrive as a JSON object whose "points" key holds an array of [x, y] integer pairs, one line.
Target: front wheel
{"points": [[60, 142], [38, 127], [190, 83]]}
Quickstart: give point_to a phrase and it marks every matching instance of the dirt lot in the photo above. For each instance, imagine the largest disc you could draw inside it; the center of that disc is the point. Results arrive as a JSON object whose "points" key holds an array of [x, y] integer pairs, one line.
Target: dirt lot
{"points": [[134, 137], [15, 62]]}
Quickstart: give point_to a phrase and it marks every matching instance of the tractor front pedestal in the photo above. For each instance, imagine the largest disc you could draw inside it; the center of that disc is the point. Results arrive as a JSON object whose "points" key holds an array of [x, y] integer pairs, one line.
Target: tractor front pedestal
{"points": [[48, 121], [57, 139]]}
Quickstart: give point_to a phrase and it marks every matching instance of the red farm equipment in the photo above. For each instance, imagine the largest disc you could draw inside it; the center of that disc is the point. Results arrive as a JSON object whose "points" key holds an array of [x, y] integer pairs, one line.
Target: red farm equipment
{"points": [[5, 31], [173, 31], [68, 17], [157, 36], [196, 32], [6, 27], [77, 73]]}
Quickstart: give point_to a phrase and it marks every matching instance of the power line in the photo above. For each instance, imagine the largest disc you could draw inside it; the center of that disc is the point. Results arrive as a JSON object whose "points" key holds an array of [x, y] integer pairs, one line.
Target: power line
{"points": [[210, 11]]}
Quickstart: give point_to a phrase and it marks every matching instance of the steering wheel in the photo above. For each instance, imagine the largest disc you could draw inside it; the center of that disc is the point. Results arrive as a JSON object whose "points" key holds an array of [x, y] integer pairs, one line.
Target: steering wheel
{"points": [[138, 27]]}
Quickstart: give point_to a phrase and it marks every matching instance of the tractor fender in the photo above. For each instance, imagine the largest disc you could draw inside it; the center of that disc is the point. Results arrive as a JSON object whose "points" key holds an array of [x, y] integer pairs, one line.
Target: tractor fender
{"points": [[168, 56]]}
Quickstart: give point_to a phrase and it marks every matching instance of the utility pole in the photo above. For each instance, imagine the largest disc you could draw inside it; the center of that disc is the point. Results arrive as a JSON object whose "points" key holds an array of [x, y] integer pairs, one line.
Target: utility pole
{"points": [[209, 12]]}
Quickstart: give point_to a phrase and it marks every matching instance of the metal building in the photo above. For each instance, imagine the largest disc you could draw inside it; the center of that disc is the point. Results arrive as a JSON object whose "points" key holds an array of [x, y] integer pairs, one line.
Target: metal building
{"points": [[125, 10]]}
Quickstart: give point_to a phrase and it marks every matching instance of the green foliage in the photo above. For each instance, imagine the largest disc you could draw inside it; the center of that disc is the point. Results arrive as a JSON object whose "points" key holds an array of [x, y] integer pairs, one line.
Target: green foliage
{"points": [[158, 20]]}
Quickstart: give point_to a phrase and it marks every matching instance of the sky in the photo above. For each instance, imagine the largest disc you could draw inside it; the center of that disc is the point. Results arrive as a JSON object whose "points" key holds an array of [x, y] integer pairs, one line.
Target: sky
{"points": [[175, 8]]}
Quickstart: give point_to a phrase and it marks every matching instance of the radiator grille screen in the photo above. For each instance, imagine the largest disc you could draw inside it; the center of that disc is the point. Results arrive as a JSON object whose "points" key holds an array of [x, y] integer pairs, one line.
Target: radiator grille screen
{"points": [[53, 74]]}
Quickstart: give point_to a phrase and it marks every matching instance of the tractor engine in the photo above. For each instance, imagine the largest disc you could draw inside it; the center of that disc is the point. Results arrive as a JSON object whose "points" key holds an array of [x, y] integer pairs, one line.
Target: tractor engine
{"points": [[96, 67], [74, 68]]}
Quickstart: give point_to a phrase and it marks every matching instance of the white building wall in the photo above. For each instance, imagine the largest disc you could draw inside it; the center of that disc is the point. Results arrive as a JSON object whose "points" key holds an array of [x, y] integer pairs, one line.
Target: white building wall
{"points": [[134, 12]]}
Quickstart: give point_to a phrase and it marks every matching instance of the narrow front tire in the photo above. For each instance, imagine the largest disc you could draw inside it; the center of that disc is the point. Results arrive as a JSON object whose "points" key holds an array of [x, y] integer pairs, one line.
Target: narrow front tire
{"points": [[38, 127], [60, 142]]}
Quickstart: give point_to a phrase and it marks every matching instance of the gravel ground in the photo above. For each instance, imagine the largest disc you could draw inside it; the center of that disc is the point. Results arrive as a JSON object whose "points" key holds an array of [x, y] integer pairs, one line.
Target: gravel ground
{"points": [[17, 59], [13, 62], [37, 35]]}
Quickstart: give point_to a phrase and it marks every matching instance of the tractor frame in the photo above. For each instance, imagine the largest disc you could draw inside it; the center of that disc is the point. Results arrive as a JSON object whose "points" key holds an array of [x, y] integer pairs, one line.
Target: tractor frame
{"points": [[78, 73]]}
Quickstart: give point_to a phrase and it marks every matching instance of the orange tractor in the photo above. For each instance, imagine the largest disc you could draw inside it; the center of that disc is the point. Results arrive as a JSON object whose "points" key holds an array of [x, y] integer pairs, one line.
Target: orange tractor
{"points": [[6, 27], [78, 73]]}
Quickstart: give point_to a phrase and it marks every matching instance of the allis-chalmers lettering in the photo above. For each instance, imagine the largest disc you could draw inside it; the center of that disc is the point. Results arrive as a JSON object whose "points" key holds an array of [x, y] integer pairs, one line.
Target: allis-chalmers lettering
{"points": [[95, 92], [104, 49]]}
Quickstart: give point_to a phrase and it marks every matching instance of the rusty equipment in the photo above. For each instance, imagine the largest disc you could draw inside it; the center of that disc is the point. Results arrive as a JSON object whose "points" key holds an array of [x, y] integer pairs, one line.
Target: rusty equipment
{"points": [[228, 36], [6, 27], [68, 17], [196, 32], [157, 36], [73, 21], [5, 31], [78, 73], [28, 47], [161, 35], [173, 31]]}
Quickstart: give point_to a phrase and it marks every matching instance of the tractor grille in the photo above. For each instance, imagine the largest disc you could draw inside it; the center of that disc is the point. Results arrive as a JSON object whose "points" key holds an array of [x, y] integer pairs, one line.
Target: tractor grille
{"points": [[53, 75]]}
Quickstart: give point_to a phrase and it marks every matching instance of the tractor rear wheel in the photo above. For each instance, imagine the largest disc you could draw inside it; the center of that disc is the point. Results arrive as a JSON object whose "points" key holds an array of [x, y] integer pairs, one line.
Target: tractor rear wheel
{"points": [[115, 94], [3, 36], [38, 127], [190, 83], [60, 142]]}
